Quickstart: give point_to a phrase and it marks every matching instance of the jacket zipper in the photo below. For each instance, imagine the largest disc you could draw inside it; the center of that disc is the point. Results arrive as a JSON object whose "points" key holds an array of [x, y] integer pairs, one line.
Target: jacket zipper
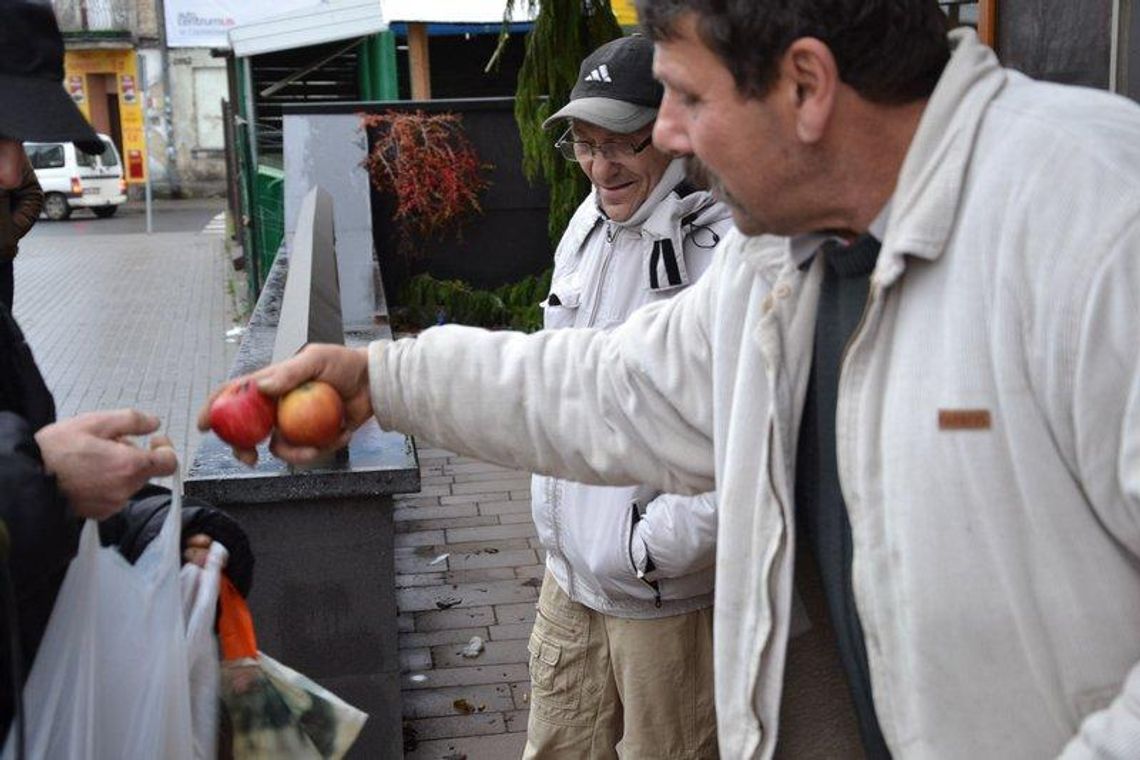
{"points": [[553, 497], [771, 576], [855, 335], [602, 276], [635, 518]]}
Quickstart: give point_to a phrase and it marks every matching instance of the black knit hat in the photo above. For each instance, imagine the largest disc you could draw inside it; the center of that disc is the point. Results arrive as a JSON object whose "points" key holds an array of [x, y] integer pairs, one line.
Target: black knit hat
{"points": [[33, 103], [616, 89]]}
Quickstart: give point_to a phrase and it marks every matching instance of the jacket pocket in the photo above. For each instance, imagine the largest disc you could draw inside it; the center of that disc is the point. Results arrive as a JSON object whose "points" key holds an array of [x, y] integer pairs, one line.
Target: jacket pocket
{"points": [[648, 573], [560, 309]]}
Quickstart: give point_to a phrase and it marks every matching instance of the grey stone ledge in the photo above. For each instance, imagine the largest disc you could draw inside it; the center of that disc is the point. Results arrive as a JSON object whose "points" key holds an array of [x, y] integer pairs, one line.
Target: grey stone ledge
{"points": [[376, 463]]}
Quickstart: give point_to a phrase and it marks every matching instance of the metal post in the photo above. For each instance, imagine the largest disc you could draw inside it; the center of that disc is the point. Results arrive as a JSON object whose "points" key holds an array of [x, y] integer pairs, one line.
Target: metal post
{"points": [[384, 59], [149, 213], [172, 177], [419, 61], [1118, 50], [146, 138], [988, 22], [364, 70]]}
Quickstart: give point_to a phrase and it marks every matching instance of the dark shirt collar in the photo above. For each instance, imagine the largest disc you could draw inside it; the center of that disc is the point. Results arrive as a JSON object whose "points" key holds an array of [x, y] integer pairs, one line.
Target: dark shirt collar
{"points": [[804, 247]]}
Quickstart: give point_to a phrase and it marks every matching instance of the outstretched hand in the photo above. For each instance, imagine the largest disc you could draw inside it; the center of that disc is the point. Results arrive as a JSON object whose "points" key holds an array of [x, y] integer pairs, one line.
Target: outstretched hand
{"points": [[96, 464], [345, 369]]}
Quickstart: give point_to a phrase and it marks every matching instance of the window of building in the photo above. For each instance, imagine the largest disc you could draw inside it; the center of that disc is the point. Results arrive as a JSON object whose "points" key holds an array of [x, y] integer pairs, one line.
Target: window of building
{"points": [[961, 12], [209, 90]]}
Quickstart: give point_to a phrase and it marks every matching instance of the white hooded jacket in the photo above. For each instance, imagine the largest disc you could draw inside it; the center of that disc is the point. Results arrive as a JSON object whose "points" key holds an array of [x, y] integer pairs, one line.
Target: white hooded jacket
{"points": [[988, 429], [596, 537]]}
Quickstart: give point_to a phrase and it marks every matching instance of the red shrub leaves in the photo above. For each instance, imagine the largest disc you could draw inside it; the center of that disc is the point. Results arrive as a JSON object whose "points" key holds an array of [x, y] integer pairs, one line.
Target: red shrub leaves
{"points": [[426, 162]]}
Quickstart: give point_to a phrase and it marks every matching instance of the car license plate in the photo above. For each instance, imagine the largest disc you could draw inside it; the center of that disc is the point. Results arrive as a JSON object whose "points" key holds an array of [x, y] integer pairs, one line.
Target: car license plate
{"points": [[92, 190]]}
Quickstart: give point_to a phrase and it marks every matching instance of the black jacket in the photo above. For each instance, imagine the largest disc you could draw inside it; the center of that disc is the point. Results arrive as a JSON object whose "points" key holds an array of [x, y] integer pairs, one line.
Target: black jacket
{"points": [[41, 531], [137, 525], [40, 534]]}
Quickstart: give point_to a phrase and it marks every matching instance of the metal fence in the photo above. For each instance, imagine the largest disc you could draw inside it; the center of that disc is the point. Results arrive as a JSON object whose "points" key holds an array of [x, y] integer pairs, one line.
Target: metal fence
{"points": [[269, 213]]}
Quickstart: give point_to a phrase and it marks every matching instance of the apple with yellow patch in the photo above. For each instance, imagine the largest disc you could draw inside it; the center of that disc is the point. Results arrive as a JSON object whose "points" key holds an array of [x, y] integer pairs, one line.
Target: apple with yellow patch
{"points": [[312, 414]]}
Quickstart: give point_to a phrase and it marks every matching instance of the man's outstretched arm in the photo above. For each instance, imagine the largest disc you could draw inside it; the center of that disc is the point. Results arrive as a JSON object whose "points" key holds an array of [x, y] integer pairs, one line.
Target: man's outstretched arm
{"points": [[629, 406]]}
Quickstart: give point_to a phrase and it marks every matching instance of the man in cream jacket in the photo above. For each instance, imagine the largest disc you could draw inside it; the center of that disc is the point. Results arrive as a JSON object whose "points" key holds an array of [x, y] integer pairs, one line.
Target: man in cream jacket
{"points": [[980, 484], [625, 613]]}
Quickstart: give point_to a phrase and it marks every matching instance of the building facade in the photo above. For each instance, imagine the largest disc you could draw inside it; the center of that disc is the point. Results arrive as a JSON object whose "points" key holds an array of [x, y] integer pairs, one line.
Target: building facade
{"points": [[162, 107]]}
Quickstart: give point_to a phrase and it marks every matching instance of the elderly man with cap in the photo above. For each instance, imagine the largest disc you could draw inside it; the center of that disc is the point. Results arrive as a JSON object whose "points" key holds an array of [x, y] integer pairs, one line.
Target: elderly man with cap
{"points": [[621, 649]]}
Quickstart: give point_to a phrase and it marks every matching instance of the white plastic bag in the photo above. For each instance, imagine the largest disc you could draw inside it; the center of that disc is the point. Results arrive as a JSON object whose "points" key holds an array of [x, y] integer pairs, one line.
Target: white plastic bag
{"points": [[278, 714], [200, 587], [110, 680]]}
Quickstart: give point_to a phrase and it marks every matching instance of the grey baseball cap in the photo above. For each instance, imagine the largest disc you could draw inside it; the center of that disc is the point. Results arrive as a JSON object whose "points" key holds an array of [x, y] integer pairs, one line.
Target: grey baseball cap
{"points": [[616, 89]]}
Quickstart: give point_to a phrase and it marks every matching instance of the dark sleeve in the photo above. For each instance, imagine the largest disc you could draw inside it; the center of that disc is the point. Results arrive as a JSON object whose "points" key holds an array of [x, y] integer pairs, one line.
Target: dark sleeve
{"points": [[139, 523], [27, 201], [42, 531], [42, 539]]}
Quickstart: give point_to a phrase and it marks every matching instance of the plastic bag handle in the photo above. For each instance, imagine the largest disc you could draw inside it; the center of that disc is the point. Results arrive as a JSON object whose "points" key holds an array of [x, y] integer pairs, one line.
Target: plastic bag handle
{"points": [[168, 540]]}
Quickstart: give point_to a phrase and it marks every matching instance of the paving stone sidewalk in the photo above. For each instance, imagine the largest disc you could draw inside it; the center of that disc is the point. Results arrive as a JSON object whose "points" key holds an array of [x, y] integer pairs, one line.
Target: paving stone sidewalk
{"points": [[468, 563], [135, 320], [118, 320]]}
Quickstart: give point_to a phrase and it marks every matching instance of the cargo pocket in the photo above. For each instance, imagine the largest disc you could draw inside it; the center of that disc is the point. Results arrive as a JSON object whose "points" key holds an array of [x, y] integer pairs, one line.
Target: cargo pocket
{"points": [[557, 663], [544, 658]]}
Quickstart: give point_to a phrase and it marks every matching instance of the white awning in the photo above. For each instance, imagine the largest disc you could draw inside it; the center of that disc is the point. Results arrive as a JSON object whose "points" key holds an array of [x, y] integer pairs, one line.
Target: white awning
{"points": [[327, 21], [451, 11]]}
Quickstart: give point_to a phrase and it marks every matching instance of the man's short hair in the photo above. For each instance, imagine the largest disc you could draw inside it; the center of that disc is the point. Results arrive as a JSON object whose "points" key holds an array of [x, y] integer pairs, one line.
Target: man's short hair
{"points": [[889, 51]]}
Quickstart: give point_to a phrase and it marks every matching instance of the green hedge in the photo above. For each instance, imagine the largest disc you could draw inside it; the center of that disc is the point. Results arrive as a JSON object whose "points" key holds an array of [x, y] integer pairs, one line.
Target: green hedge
{"points": [[426, 301]]}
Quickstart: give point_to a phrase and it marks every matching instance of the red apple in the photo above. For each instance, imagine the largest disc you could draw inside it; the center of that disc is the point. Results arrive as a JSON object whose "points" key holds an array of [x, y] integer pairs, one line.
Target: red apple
{"points": [[312, 414], [242, 416]]}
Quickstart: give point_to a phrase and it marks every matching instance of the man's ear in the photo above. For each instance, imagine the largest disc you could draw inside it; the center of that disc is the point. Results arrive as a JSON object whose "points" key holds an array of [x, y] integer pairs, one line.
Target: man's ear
{"points": [[810, 67]]}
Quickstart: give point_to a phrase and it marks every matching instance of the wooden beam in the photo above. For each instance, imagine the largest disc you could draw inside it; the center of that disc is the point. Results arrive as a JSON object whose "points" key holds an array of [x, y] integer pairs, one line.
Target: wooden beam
{"points": [[987, 22], [419, 62]]}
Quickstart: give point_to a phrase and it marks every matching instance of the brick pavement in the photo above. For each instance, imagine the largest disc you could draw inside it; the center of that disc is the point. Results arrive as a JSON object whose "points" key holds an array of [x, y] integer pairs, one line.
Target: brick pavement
{"points": [[467, 564], [122, 320], [129, 320]]}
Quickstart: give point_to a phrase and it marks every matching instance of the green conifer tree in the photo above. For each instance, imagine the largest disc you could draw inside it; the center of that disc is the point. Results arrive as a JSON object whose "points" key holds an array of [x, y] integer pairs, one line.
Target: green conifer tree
{"points": [[564, 32]]}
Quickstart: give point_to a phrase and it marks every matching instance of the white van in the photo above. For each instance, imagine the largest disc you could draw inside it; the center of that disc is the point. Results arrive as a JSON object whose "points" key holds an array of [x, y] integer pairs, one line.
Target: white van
{"points": [[73, 179]]}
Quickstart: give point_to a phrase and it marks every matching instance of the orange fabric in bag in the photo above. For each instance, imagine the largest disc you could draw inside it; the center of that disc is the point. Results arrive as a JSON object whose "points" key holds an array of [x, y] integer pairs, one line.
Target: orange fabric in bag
{"points": [[235, 624]]}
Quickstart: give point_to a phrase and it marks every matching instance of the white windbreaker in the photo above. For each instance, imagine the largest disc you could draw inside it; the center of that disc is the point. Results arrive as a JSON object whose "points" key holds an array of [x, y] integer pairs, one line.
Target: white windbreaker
{"points": [[595, 544], [988, 428]]}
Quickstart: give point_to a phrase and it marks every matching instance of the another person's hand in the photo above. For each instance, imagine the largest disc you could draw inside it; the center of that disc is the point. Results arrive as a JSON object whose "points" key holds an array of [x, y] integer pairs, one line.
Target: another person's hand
{"points": [[96, 464], [345, 369], [198, 549]]}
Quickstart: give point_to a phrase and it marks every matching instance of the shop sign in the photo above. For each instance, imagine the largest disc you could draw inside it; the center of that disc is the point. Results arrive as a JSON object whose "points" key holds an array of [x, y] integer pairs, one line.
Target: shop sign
{"points": [[123, 65], [205, 23]]}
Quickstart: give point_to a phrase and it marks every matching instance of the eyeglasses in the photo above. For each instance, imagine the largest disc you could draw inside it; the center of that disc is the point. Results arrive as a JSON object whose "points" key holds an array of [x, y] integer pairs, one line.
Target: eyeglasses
{"points": [[611, 150], [703, 236]]}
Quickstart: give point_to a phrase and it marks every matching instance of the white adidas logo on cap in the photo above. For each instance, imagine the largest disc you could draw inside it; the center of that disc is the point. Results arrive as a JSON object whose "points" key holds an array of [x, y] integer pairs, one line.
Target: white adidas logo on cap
{"points": [[600, 74]]}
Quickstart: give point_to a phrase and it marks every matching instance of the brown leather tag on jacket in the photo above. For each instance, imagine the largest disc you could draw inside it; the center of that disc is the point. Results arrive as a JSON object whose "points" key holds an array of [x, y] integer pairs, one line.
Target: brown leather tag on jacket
{"points": [[963, 419]]}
